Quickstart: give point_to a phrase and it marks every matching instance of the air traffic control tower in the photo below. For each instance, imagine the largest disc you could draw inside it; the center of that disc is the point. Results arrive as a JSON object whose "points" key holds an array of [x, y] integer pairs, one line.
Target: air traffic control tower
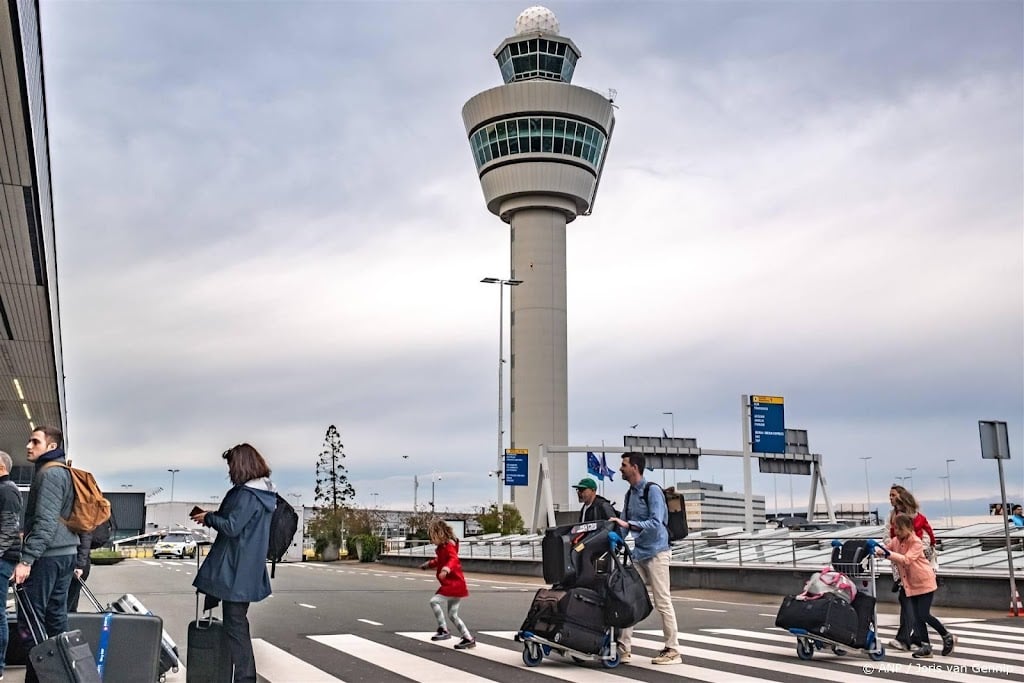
{"points": [[539, 144]]}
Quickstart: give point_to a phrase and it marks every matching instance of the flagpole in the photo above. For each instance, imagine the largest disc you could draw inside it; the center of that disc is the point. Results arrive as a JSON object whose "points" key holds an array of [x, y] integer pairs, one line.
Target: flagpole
{"points": [[602, 469]]}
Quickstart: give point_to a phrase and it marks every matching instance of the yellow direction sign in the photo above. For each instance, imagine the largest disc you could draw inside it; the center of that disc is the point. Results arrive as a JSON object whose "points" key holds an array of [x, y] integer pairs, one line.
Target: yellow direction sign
{"points": [[517, 451]]}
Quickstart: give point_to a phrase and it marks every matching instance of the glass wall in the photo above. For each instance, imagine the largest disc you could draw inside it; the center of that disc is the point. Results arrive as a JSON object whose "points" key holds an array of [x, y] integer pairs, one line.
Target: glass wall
{"points": [[538, 134], [537, 58]]}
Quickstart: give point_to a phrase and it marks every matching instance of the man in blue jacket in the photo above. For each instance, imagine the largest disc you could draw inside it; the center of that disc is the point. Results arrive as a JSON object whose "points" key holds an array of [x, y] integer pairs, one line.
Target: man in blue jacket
{"points": [[645, 514], [48, 548]]}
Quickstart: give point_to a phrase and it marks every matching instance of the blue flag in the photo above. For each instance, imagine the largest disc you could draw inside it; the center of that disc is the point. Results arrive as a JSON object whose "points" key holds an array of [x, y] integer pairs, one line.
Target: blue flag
{"points": [[610, 473], [594, 466]]}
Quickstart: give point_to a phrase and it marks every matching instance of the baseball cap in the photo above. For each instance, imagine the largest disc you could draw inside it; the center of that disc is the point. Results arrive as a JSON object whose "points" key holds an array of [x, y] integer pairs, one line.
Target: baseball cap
{"points": [[586, 483]]}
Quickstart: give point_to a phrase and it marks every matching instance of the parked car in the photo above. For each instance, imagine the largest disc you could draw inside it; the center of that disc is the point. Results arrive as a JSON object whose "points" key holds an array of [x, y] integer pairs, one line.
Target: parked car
{"points": [[175, 545]]}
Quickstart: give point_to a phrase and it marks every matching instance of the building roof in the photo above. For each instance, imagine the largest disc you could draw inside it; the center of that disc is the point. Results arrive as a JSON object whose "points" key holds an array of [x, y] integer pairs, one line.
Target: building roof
{"points": [[31, 366]]}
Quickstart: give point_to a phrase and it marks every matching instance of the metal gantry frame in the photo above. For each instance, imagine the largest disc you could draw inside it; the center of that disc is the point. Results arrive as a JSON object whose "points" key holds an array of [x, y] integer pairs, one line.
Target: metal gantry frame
{"points": [[675, 458]]}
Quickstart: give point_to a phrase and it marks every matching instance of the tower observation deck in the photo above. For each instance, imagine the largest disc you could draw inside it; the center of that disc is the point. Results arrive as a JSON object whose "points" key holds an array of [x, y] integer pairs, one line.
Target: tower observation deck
{"points": [[539, 144]]}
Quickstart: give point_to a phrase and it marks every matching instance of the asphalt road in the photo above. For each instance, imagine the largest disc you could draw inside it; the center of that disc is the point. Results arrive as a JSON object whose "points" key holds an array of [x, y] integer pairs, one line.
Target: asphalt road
{"points": [[372, 623]]}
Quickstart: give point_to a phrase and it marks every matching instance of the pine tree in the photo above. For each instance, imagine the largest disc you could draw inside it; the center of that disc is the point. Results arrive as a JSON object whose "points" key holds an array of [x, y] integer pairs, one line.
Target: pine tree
{"points": [[332, 489]]}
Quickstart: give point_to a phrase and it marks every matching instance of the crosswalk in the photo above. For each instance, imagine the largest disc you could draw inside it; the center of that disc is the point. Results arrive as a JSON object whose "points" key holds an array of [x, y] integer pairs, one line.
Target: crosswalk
{"points": [[985, 652]]}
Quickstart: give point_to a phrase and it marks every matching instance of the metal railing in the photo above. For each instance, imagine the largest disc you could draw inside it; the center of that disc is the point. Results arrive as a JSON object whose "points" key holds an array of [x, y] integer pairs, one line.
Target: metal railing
{"points": [[968, 549]]}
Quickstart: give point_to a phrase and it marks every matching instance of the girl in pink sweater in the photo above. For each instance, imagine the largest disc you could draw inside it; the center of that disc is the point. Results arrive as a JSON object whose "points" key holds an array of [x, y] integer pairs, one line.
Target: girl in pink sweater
{"points": [[906, 551]]}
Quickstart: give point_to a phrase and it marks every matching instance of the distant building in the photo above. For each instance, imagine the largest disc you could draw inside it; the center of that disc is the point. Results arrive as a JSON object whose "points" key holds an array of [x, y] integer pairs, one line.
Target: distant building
{"points": [[708, 506]]}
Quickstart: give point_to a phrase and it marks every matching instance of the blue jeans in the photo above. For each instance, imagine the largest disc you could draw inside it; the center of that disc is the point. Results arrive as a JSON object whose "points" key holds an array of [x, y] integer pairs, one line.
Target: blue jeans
{"points": [[236, 628], [46, 589], [6, 571]]}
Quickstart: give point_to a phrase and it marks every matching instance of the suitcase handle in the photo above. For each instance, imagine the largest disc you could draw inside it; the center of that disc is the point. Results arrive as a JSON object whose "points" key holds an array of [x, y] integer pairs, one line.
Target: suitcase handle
{"points": [[35, 627], [90, 595]]}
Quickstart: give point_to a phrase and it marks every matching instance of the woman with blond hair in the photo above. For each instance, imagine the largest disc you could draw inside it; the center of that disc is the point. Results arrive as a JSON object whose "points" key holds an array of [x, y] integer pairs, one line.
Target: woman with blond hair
{"points": [[453, 583], [907, 637]]}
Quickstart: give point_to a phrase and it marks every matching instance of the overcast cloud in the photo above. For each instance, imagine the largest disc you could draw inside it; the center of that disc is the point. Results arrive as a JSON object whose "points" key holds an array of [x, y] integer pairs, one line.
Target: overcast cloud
{"points": [[269, 221]]}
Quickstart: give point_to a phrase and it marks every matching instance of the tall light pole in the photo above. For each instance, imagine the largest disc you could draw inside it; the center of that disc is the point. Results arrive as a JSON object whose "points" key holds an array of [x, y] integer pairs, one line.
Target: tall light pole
{"points": [[501, 385], [375, 495], [911, 477], [949, 489], [945, 488], [673, 416], [867, 484], [173, 472], [433, 478]]}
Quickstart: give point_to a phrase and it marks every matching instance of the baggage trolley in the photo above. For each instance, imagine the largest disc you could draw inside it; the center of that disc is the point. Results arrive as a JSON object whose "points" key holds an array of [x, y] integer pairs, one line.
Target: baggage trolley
{"points": [[535, 647], [856, 559]]}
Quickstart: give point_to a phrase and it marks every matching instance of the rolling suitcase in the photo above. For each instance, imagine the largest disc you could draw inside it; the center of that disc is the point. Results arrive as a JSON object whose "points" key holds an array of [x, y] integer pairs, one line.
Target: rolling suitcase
{"points": [[132, 645], [169, 658], [556, 555], [828, 616], [582, 625], [208, 659], [64, 658], [570, 554]]}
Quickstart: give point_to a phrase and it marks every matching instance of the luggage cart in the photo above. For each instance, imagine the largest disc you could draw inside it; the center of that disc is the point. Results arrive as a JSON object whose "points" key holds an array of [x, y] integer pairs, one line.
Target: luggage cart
{"points": [[535, 647], [856, 559]]}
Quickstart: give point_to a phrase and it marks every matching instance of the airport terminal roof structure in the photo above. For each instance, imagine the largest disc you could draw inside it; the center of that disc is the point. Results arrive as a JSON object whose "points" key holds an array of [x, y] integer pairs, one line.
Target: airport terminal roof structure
{"points": [[31, 364]]}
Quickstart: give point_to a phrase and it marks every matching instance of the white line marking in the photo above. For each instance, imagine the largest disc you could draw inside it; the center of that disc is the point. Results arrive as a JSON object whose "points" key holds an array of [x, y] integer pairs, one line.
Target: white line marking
{"points": [[948, 672], [371, 623], [401, 663], [707, 609], [302, 604], [767, 615], [562, 668], [276, 665]]}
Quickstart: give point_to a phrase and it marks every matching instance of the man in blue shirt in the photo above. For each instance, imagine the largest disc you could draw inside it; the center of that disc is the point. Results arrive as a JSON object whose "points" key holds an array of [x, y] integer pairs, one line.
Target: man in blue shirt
{"points": [[645, 514]]}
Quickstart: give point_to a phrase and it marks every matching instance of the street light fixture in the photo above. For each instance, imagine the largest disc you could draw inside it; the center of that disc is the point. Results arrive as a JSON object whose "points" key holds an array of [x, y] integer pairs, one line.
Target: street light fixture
{"points": [[867, 485], [433, 479], [949, 489], [501, 386], [673, 415], [173, 472]]}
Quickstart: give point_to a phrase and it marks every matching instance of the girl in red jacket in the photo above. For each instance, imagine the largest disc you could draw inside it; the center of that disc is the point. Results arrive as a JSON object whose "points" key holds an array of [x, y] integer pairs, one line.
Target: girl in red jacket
{"points": [[453, 584]]}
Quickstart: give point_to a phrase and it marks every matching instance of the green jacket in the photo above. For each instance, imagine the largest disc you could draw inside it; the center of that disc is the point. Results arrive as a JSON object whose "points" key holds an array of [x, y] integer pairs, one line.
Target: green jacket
{"points": [[49, 499]]}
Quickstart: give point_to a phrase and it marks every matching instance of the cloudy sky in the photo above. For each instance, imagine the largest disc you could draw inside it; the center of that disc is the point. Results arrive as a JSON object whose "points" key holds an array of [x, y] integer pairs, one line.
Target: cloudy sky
{"points": [[269, 221]]}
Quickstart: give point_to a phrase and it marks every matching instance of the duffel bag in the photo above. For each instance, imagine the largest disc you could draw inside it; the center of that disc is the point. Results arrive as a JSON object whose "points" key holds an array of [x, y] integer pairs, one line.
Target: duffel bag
{"points": [[626, 599], [829, 616]]}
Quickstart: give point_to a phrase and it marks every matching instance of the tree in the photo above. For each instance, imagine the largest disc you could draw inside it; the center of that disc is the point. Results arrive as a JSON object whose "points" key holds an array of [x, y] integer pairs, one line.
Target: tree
{"points": [[332, 489], [509, 522], [331, 493]]}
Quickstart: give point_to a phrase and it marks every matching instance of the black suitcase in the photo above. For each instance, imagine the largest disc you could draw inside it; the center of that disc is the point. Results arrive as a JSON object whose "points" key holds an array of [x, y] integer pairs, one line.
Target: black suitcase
{"points": [[828, 616], [132, 652], [546, 612], [864, 606], [582, 626], [208, 659], [130, 658], [64, 658], [556, 555], [572, 554]]}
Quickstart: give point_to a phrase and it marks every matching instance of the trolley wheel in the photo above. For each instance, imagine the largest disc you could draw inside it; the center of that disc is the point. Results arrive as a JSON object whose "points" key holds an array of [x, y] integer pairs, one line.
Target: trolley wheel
{"points": [[804, 648], [532, 654], [877, 656], [610, 656]]}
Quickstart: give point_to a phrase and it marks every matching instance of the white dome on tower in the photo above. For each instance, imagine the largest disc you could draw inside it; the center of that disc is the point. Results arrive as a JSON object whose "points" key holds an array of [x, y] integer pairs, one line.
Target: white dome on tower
{"points": [[536, 19]]}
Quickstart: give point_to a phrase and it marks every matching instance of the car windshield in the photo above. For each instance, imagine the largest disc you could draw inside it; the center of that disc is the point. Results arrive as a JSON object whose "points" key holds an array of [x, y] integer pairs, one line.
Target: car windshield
{"points": [[176, 538]]}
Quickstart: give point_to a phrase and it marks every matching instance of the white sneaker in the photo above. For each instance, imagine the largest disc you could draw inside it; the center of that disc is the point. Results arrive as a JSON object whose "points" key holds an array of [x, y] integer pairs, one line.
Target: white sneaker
{"points": [[624, 654], [898, 645], [667, 656]]}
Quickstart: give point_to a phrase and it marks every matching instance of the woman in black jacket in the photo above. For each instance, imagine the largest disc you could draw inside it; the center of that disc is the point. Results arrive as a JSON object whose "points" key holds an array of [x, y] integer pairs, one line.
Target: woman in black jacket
{"points": [[235, 571]]}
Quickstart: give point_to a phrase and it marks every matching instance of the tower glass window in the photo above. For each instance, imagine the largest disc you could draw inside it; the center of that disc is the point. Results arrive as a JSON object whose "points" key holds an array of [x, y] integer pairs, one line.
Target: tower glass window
{"points": [[550, 135], [537, 58]]}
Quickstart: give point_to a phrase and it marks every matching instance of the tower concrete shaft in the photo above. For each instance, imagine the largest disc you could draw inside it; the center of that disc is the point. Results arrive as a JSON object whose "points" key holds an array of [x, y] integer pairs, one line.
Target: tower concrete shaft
{"points": [[539, 144]]}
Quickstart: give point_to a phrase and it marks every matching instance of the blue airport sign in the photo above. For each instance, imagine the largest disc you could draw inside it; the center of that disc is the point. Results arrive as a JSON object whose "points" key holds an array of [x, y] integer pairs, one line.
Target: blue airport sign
{"points": [[516, 469], [767, 424]]}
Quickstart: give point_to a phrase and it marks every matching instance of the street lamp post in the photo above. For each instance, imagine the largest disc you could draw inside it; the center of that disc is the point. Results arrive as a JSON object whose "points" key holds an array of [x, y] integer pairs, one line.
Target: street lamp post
{"points": [[867, 484], [501, 386], [433, 479], [375, 495], [673, 416], [911, 477], [949, 490], [173, 472]]}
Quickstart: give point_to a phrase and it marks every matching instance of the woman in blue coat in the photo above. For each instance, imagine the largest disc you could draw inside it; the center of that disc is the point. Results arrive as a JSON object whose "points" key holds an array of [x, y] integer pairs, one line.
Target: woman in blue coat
{"points": [[235, 571]]}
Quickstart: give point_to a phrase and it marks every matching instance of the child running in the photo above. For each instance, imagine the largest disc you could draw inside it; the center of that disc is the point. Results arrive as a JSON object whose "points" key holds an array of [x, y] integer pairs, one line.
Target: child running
{"points": [[453, 584]]}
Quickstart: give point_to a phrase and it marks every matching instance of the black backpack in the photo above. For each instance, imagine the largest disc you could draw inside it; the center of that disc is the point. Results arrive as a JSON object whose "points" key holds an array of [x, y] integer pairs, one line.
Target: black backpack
{"points": [[676, 525], [101, 534], [283, 525]]}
